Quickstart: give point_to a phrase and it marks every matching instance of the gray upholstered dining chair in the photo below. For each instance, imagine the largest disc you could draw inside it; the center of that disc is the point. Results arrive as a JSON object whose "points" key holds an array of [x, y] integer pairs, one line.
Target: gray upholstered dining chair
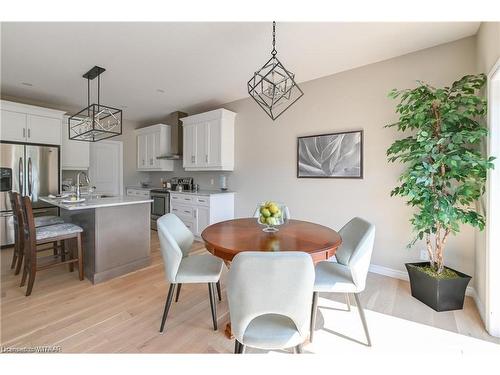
{"points": [[348, 274], [269, 296], [181, 268]]}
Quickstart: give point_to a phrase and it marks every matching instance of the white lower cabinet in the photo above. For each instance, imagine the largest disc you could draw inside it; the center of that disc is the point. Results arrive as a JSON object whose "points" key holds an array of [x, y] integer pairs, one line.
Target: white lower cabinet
{"points": [[131, 192], [202, 219], [199, 211]]}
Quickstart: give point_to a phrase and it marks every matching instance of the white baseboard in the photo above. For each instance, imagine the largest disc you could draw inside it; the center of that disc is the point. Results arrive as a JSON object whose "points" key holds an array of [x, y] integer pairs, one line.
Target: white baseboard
{"points": [[391, 272], [403, 275], [479, 303]]}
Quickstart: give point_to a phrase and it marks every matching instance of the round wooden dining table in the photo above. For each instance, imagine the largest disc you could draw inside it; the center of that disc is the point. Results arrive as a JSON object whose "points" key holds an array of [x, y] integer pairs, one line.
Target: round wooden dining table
{"points": [[228, 238]]}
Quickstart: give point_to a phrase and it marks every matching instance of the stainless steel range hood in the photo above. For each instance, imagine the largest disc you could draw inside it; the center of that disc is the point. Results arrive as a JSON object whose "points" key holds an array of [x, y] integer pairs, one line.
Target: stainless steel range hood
{"points": [[175, 136]]}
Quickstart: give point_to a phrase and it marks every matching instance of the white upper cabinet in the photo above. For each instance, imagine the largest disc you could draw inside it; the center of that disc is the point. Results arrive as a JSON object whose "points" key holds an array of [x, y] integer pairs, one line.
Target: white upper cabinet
{"points": [[75, 155], [153, 142], [142, 148], [209, 141], [189, 146], [13, 126], [43, 129], [27, 123]]}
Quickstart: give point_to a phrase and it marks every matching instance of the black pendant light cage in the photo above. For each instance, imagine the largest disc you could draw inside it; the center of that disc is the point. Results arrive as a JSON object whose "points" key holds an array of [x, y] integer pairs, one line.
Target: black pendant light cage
{"points": [[96, 121], [273, 87]]}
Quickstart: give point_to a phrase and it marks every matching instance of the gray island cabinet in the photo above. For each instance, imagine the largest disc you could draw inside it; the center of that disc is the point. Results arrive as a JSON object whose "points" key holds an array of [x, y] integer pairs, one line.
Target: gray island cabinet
{"points": [[116, 237]]}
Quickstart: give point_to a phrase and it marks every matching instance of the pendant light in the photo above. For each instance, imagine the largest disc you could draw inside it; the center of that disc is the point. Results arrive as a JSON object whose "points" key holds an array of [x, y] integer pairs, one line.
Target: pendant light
{"points": [[96, 121], [273, 87]]}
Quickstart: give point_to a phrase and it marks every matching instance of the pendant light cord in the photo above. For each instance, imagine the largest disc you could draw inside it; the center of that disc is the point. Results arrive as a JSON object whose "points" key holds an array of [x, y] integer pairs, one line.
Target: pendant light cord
{"points": [[274, 52], [88, 97], [98, 93]]}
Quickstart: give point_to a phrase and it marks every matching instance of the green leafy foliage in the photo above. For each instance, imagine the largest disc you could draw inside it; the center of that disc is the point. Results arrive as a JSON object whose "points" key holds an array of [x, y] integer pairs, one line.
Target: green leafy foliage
{"points": [[445, 172]]}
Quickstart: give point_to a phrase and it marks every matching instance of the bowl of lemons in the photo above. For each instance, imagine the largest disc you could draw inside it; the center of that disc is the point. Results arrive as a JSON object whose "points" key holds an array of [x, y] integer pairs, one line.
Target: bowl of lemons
{"points": [[270, 215]]}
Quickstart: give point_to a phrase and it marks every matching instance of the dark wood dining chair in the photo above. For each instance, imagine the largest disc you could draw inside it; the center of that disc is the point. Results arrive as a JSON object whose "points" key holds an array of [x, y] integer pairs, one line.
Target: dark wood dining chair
{"points": [[40, 221], [33, 237]]}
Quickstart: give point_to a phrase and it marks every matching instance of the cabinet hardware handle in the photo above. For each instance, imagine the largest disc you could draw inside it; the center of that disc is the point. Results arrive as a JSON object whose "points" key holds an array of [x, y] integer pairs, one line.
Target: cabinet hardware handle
{"points": [[30, 176], [194, 213], [21, 176], [186, 211], [206, 158], [24, 132], [29, 133]]}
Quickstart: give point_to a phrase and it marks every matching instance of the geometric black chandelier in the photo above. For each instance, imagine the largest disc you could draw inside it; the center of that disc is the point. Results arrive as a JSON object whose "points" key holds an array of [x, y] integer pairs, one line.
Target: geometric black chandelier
{"points": [[273, 87], [95, 122]]}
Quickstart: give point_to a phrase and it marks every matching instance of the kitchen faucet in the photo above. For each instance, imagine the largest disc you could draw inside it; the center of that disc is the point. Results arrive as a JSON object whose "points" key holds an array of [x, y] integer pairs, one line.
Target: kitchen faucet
{"points": [[87, 181]]}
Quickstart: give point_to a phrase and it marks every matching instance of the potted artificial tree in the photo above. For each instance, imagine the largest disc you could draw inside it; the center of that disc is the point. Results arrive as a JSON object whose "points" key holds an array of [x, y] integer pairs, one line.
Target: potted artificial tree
{"points": [[444, 177]]}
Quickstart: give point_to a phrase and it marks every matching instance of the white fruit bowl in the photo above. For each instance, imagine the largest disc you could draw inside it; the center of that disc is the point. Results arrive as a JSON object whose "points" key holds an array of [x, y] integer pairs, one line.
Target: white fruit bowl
{"points": [[270, 215]]}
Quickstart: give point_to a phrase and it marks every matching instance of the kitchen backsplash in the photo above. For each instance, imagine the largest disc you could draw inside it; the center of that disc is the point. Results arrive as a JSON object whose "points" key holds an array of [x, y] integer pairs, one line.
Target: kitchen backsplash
{"points": [[203, 179]]}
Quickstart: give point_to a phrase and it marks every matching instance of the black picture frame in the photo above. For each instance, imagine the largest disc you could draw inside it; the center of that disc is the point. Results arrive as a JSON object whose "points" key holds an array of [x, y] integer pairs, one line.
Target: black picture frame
{"points": [[361, 166]]}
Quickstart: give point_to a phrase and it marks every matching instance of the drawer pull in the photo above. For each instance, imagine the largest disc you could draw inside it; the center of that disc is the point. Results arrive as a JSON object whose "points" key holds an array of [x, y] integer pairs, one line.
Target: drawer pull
{"points": [[201, 200], [188, 212]]}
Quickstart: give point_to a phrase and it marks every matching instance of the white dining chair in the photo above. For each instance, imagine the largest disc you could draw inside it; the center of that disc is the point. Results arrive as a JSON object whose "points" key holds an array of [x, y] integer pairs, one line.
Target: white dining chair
{"points": [[269, 296], [180, 268], [348, 274]]}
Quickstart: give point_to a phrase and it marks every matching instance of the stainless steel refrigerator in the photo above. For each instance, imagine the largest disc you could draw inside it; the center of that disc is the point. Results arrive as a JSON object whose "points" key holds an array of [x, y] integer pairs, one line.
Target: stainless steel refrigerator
{"points": [[31, 170]]}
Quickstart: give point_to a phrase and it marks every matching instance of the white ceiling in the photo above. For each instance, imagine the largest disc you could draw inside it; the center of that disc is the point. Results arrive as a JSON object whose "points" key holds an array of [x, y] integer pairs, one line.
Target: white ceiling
{"points": [[198, 65]]}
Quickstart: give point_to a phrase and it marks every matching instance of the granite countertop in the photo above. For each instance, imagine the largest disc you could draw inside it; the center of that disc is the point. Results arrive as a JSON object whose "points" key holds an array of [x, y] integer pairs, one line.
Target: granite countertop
{"points": [[198, 192], [95, 202], [202, 192], [148, 188]]}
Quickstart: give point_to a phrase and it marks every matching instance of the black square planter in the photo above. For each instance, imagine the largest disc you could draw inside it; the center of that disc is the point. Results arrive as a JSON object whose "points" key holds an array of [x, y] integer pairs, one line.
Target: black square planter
{"points": [[439, 294]]}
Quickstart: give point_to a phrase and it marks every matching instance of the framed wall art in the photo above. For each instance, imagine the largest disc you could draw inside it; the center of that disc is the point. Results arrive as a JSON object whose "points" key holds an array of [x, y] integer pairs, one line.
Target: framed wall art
{"points": [[334, 155]]}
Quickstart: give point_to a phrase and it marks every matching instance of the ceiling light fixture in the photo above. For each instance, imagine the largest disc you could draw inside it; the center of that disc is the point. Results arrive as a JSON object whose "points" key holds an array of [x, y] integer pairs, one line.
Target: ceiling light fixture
{"points": [[96, 121], [273, 87]]}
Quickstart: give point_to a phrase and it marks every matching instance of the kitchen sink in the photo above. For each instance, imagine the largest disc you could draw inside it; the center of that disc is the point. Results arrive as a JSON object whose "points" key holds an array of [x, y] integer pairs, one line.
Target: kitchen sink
{"points": [[102, 196]]}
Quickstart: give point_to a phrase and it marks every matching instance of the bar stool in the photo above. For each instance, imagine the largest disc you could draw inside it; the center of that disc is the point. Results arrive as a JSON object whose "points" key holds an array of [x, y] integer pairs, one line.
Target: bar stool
{"points": [[40, 221], [34, 237]]}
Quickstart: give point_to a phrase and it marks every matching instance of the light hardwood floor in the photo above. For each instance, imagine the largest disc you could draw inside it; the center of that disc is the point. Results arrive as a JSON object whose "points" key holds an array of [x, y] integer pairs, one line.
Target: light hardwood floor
{"points": [[123, 315]]}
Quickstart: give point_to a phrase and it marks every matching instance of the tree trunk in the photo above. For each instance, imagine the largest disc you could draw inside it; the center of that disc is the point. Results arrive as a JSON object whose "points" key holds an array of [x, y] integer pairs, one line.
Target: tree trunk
{"points": [[438, 257], [430, 250], [441, 250]]}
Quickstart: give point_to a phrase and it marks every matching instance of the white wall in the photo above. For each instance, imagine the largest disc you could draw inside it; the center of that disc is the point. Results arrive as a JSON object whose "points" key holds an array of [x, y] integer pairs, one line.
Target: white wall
{"points": [[488, 52], [356, 99]]}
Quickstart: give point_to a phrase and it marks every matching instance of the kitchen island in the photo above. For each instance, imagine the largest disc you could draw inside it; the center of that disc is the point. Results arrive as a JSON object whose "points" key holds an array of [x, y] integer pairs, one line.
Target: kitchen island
{"points": [[116, 237]]}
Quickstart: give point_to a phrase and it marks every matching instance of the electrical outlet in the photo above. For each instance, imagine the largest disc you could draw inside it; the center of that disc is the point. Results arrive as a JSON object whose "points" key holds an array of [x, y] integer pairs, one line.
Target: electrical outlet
{"points": [[424, 255], [212, 181]]}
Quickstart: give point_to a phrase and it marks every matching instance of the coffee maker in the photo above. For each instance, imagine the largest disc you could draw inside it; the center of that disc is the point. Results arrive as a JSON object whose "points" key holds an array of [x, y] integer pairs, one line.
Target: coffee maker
{"points": [[181, 183]]}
